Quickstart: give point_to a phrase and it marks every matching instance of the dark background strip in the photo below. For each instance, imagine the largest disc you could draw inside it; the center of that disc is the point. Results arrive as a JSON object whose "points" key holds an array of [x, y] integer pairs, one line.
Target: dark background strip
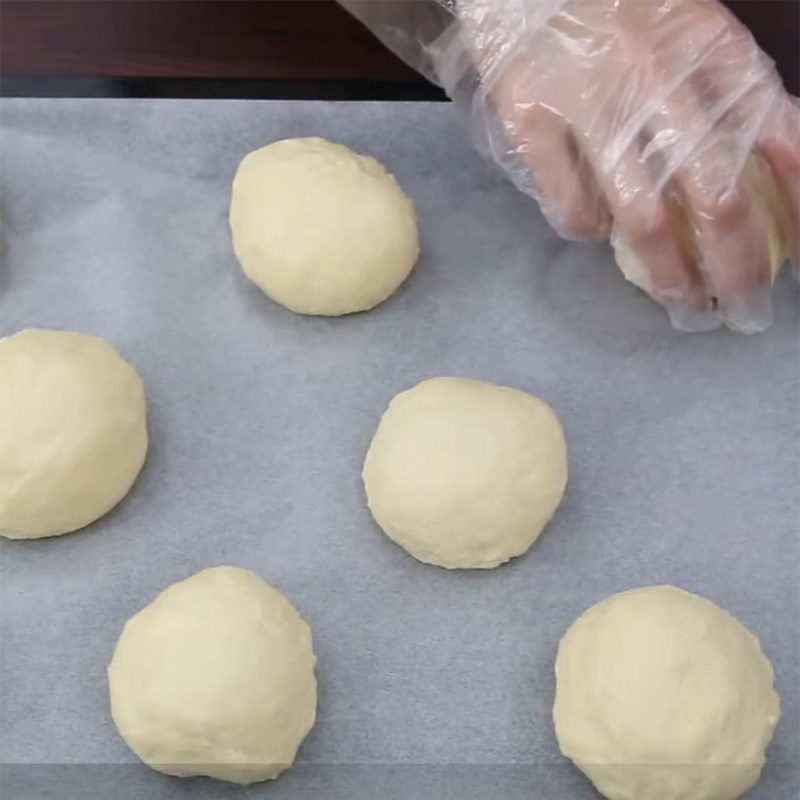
{"points": [[246, 48], [215, 88]]}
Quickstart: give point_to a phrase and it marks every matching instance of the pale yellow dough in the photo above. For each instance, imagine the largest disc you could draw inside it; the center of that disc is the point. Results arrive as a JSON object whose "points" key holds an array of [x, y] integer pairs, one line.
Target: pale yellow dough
{"points": [[73, 434], [321, 229], [465, 474], [663, 695], [215, 677]]}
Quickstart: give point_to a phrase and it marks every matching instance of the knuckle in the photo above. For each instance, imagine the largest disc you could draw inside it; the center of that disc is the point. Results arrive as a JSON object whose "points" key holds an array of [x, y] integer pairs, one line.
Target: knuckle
{"points": [[642, 220]]}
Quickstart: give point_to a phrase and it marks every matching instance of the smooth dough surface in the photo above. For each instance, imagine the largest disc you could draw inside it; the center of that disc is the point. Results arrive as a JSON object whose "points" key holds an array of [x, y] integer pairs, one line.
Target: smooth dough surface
{"points": [[73, 431], [215, 677], [663, 695], [321, 229], [465, 474]]}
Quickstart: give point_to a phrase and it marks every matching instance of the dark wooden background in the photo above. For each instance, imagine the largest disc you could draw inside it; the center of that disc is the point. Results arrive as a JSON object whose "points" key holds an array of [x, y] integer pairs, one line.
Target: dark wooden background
{"points": [[295, 41]]}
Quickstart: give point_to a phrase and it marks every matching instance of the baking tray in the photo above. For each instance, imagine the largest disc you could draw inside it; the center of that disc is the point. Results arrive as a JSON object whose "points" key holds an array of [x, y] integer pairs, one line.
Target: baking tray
{"points": [[684, 454]]}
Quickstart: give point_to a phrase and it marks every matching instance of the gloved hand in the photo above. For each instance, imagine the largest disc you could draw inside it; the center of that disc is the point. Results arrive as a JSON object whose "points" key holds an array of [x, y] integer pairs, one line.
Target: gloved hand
{"points": [[657, 123]]}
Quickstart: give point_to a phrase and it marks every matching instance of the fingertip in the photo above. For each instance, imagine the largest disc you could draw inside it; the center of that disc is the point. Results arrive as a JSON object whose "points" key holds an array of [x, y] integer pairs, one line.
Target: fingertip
{"points": [[688, 320], [750, 312], [579, 220]]}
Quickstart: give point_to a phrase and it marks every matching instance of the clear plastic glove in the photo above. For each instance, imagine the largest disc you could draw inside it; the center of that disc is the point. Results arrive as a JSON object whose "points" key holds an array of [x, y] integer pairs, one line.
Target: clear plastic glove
{"points": [[659, 124]]}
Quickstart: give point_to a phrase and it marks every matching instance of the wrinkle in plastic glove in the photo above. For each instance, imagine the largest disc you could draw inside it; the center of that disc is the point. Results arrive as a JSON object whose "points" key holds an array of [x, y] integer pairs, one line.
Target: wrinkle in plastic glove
{"points": [[658, 124]]}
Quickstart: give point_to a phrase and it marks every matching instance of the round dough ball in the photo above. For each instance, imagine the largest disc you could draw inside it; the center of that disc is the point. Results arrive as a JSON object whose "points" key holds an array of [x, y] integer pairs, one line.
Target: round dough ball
{"points": [[663, 695], [215, 677], [72, 424], [321, 229], [465, 474]]}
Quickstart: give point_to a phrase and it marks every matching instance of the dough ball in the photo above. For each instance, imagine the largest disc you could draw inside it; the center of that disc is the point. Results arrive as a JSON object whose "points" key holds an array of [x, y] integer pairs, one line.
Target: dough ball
{"points": [[215, 677], [462, 473], [321, 229], [72, 424], [662, 695]]}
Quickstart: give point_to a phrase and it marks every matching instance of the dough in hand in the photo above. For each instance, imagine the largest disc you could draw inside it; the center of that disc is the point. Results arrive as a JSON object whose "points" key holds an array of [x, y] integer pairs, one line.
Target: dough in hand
{"points": [[215, 677], [73, 431], [465, 474], [663, 695], [321, 229], [766, 204]]}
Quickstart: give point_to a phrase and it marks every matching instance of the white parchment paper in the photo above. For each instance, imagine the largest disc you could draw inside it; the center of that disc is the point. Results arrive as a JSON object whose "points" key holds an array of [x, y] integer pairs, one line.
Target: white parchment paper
{"points": [[684, 454]]}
